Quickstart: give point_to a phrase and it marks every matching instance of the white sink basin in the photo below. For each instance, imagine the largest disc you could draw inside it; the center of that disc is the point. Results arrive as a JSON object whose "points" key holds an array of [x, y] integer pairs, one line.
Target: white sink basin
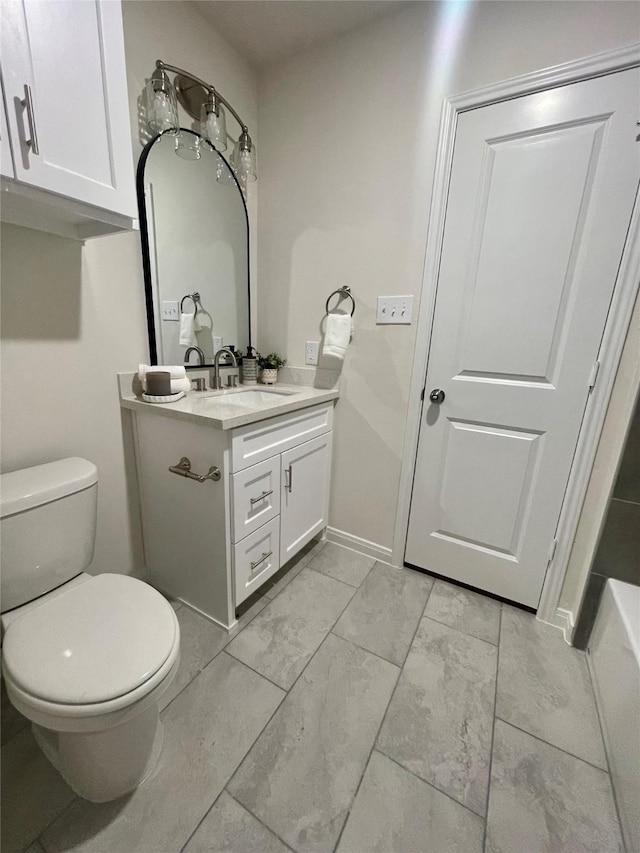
{"points": [[248, 399]]}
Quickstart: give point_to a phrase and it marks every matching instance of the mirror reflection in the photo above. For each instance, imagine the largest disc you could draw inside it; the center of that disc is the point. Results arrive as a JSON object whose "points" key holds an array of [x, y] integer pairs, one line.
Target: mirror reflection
{"points": [[195, 240]]}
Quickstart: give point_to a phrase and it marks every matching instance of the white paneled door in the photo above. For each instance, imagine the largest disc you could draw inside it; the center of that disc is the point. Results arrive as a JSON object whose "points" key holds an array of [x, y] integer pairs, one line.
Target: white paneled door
{"points": [[540, 198]]}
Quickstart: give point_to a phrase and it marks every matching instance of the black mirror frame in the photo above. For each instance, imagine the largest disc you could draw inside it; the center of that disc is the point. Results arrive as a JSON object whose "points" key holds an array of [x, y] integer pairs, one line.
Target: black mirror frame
{"points": [[144, 238]]}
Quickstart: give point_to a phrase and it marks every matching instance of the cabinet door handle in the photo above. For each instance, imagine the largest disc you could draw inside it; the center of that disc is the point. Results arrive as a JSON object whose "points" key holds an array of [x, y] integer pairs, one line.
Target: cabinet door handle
{"points": [[27, 103], [261, 497], [261, 560], [288, 478]]}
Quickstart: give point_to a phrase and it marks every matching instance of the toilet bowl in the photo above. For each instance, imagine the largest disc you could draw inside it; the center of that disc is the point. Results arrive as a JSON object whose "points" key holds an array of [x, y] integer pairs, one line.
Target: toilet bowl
{"points": [[88, 661]]}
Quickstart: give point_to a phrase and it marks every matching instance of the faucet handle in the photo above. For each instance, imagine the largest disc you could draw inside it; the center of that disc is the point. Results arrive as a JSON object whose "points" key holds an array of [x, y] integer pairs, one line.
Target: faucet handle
{"points": [[199, 383]]}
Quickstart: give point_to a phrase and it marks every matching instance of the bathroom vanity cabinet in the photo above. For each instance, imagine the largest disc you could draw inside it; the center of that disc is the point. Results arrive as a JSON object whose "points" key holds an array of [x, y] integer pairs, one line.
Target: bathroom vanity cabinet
{"points": [[212, 544], [67, 164]]}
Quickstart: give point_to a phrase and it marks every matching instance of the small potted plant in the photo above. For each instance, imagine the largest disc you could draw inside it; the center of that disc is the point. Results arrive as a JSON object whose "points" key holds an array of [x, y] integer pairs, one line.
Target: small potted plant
{"points": [[270, 364]]}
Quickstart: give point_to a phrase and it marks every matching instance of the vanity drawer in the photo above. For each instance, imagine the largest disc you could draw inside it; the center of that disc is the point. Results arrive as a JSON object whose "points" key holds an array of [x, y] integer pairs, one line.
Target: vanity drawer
{"points": [[255, 496], [256, 558], [257, 442]]}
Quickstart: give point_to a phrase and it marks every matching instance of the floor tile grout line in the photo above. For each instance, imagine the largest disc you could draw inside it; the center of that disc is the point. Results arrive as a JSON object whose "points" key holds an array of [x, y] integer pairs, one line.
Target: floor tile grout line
{"points": [[52, 821], [459, 631], [475, 636], [382, 721], [430, 784], [202, 819], [553, 745], [606, 756], [365, 649], [244, 755], [330, 631], [308, 663], [255, 671], [228, 641], [209, 662], [261, 822], [331, 577], [493, 735]]}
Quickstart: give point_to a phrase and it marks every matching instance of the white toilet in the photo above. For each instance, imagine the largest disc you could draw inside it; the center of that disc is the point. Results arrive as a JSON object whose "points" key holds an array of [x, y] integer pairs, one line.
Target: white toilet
{"points": [[85, 658]]}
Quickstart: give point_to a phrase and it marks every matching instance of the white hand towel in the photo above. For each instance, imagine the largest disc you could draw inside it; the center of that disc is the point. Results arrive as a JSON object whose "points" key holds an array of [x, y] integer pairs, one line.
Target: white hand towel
{"points": [[337, 335], [176, 371], [180, 385], [188, 330]]}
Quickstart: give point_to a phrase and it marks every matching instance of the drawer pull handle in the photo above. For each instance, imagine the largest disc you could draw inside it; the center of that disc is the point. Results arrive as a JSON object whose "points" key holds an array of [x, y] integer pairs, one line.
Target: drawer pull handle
{"points": [[288, 477], [27, 103], [261, 560], [183, 469], [261, 497]]}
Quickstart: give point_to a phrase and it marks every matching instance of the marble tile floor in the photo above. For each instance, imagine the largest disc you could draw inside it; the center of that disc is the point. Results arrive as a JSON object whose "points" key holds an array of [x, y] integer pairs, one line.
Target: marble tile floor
{"points": [[358, 708]]}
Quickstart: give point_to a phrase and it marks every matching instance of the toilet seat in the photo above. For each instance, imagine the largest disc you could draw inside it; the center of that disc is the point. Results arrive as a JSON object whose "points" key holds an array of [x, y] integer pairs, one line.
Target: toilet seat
{"points": [[95, 650]]}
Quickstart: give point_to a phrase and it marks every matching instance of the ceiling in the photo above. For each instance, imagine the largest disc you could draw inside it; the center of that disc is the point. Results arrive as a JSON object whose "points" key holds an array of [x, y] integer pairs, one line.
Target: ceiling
{"points": [[264, 31]]}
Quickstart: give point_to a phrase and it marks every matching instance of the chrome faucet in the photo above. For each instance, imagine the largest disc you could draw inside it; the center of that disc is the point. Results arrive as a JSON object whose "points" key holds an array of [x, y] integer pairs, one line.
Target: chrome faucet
{"points": [[216, 383], [194, 349]]}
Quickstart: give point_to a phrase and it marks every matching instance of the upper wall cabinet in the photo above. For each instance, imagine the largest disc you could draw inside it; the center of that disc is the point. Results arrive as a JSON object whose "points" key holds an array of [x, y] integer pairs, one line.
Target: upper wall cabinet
{"points": [[67, 117]]}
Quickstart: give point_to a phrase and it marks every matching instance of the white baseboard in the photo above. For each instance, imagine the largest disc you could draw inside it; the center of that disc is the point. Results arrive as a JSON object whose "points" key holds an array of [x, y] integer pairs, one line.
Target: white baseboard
{"points": [[563, 620], [356, 543]]}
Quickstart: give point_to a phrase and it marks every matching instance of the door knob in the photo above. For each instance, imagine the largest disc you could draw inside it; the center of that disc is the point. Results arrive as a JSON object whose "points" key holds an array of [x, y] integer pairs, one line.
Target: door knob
{"points": [[436, 396]]}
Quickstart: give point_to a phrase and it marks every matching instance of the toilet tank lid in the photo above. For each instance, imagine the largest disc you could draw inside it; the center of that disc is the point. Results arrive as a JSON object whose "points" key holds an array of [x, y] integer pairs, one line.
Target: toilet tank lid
{"points": [[32, 487]]}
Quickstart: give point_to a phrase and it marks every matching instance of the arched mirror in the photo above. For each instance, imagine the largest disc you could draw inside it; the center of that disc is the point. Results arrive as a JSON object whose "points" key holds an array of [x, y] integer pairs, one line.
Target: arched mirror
{"points": [[195, 248]]}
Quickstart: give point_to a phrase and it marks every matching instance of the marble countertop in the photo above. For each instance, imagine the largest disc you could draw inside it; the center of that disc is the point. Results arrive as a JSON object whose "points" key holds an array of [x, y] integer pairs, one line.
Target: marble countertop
{"points": [[219, 409]]}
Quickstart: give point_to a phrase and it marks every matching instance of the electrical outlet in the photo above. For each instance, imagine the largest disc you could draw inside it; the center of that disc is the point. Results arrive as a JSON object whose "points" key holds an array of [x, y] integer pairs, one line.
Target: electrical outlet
{"points": [[394, 309], [311, 352], [170, 311], [217, 344]]}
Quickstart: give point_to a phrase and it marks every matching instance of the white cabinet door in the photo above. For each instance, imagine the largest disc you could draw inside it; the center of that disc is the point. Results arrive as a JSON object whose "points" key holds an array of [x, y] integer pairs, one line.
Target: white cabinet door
{"points": [[64, 77], [6, 159], [304, 503], [541, 193]]}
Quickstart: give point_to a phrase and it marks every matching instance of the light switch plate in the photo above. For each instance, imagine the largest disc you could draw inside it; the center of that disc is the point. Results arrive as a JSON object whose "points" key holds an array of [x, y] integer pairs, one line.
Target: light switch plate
{"points": [[311, 352], [170, 311], [394, 309]]}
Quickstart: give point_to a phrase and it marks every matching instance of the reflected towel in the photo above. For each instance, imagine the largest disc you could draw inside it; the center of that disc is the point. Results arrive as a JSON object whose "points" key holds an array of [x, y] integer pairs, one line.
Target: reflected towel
{"points": [[188, 330], [175, 371], [337, 335]]}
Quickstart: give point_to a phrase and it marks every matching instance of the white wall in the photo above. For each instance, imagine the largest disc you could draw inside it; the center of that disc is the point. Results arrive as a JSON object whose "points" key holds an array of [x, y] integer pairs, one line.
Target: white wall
{"points": [[348, 142], [74, 316]]}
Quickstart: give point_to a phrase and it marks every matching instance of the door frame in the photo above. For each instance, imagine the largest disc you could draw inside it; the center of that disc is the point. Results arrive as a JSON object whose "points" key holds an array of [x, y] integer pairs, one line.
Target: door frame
{"points": [[618, 318]]}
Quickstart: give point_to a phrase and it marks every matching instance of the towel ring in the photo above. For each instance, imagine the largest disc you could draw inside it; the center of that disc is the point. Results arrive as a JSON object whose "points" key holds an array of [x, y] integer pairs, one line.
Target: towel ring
{"points": [[343, 293], [195, 298]]}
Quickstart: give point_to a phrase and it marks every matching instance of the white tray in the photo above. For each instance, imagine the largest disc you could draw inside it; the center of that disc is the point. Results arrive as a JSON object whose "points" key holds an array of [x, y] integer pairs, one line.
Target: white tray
{"points": [[165, 398]]}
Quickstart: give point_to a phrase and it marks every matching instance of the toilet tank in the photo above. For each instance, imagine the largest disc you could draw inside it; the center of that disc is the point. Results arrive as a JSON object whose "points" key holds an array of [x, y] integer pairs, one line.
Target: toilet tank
{"points": [[47, 527]]}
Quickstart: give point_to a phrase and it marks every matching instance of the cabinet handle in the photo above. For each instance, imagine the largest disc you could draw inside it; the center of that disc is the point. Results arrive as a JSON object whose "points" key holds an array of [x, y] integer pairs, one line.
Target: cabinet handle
{"points": [[261, 497], [183, 469], [261, 560], [288, 477], [27, 103]]}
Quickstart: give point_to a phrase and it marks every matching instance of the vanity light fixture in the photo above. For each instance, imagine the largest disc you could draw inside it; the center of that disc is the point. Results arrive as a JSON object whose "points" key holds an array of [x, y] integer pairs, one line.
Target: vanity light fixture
{"points": [[205, 104], [162, 107], [213, 122]]}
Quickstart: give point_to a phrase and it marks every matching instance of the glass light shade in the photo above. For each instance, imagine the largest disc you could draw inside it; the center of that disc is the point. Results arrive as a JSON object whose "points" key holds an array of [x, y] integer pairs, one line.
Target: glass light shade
{"points": [[162, 105], [187, 146], [244, 159], [214, 124]]}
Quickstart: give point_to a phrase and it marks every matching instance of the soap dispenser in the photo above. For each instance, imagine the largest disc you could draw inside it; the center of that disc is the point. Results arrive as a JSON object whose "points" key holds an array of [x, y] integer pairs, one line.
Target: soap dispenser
{"points": [[250, 367]]}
